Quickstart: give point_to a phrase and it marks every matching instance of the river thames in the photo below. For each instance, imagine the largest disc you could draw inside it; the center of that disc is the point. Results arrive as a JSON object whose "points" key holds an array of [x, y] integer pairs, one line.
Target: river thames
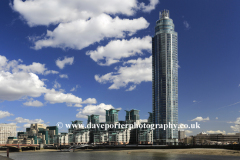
{"points": [[89, 155]]}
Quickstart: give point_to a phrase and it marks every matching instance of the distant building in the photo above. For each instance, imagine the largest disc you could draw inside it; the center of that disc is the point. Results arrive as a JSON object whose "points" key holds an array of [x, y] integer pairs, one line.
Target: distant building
{"points": [[112, 116], [61, 139], [145, 135], [203, 138], [150, 118], [134, 136], [71, 138], [181, 135], [116, 135], [36, 134], [132, 116], [188, 140], [75, 125], [7, 130], [119, 136], [82, 136], [101, 137], [94, 119]]}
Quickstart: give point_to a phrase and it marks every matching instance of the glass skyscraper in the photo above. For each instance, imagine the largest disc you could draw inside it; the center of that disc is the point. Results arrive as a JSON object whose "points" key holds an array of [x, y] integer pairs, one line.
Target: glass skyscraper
{"points": [[165, 79]]}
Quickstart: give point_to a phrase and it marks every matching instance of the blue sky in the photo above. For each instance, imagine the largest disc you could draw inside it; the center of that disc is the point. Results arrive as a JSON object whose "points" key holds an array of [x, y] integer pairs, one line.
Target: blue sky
{"points": [[61, 61]]}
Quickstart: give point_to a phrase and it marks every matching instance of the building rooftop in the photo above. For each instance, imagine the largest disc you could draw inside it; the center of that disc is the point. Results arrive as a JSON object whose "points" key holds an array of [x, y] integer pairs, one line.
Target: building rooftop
{"points": [[164, 14]]}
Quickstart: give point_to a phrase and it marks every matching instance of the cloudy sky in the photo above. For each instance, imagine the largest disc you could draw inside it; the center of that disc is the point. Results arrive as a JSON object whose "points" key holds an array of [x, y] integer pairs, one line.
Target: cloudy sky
{"points": [[62, 60]]}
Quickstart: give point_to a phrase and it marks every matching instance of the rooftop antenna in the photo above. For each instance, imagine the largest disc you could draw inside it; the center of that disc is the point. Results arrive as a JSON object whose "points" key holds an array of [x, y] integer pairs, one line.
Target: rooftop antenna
{"points": [[164, 14]]}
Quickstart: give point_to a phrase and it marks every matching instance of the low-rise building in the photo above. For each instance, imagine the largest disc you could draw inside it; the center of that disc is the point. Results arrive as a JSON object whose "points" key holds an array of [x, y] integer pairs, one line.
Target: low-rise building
{"points": [[203, 138], [82, 136], [101, 137], [145, 135], [119, 136]]}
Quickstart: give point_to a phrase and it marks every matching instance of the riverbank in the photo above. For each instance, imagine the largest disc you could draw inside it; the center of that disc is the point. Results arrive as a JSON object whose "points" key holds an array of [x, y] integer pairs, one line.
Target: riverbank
{"points": [[42, 150], [192, 151], [5, 158]]}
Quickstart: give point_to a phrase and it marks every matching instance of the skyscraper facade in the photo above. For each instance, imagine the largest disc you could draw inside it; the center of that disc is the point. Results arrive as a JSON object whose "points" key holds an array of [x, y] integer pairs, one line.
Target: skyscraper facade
{"points": [[112, 116], [94, 119], [165, 79], [132, 116]]}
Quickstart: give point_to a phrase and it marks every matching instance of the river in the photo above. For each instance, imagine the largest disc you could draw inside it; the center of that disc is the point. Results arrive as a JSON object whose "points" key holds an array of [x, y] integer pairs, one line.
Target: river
{"points": [[89, 155]]}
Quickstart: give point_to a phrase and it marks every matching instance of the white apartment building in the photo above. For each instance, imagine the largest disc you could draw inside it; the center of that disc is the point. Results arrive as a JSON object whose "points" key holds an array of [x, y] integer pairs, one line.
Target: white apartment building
{"points": [[7, 130], [82, 136]]}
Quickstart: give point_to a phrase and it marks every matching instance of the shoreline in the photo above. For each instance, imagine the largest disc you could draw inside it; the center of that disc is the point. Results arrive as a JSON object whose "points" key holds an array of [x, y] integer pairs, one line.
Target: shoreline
{"points": [[192, 151]]}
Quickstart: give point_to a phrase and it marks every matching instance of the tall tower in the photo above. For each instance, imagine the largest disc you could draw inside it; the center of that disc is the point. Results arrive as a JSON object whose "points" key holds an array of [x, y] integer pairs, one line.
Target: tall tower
{"points": [[165, 79], [132, 116], [94, 119], [112, 116]]}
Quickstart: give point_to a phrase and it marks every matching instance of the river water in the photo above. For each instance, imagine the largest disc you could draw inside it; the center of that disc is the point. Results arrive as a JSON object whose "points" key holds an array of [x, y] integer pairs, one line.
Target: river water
{"points": [[89, 155]]}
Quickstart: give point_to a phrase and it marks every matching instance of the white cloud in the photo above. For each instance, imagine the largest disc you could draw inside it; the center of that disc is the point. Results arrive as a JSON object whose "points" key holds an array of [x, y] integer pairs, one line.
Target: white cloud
{"points": [[90, 101], [236, 127], [82, 23], [132, 87], [66, 61], [200, 119], [74, 88], [26, 125], [94, 109], [4, 114], [63, 76], [140, 70], [186, 25], [56, 85], [149, 7], [195, 101], [216, 132], [81, 33], [236, 122], [45, 12], [22, 120], [37, 68], [231, 133], [15, 66], [3, 61], [230, 105], [77, 105], [18, 80], [15, 84], [50, 72], [32, 103], [58, 97], [188, 132], [115, 50], [143, 120]]}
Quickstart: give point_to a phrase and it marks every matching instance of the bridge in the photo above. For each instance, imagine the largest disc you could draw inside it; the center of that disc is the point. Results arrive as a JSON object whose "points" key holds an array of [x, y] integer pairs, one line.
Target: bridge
{"points": [[20, 147]]}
